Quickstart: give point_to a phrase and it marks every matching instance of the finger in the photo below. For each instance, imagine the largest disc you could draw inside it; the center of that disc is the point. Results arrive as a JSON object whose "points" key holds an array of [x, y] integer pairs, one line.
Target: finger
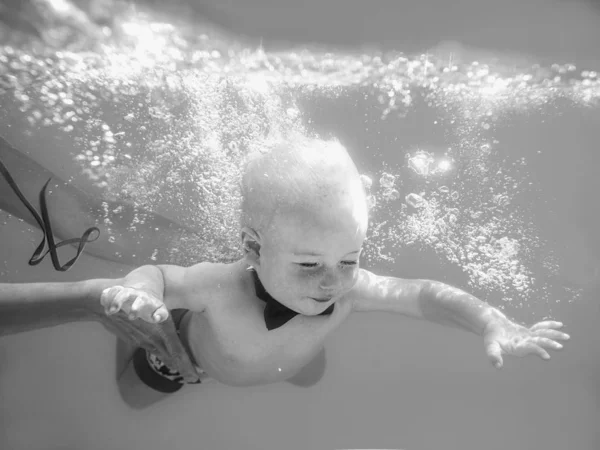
{"points": [[553, 334], [547, 324], [137, 307], [161, 314], [149, 309], [107, 296], [494, 352], [547, 343], [104, 297], [531, 348], [119, 302]]}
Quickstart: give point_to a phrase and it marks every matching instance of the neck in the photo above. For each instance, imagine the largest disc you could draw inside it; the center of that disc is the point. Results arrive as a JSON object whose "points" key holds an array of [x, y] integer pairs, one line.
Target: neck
{"points": [[261, 292]]}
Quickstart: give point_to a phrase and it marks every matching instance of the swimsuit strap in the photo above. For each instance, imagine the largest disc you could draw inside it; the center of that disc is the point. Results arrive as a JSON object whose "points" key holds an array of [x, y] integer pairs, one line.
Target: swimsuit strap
{"points": [[45, 225]]}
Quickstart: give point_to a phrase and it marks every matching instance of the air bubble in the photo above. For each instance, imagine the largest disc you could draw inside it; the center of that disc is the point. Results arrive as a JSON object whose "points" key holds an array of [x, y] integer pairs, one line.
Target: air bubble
{"points": [[415, 200], [387, 180], [421, 162], [392, 194]]}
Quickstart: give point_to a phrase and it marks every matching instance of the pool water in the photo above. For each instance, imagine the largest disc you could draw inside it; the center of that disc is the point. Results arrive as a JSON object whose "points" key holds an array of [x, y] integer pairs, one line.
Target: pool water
{"points": [[482, 164]]}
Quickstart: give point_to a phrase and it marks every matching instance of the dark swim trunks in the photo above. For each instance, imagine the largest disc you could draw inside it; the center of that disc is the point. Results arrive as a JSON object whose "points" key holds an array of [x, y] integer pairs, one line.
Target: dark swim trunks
{"points": [[153, 372]]}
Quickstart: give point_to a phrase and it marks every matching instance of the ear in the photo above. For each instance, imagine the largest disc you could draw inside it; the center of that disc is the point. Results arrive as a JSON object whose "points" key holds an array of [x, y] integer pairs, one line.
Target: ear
{"points": [[251, 245]]}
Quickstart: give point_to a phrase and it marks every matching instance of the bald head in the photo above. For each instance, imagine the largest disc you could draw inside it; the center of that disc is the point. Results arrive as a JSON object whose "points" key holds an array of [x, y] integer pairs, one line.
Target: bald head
{"points": [[307, 175]]}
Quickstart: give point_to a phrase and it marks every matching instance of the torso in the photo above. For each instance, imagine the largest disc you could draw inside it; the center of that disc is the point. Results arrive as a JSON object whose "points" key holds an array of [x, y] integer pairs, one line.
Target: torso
{"points": [[227, 337]]}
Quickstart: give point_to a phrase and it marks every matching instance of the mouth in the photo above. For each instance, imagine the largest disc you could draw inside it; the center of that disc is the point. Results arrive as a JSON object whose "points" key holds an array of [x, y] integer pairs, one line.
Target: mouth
{"points": [[322, 300]]}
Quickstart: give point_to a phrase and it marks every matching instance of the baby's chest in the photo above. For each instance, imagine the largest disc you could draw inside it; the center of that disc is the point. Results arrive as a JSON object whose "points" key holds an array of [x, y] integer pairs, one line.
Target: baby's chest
{"points": [[239, 340]]}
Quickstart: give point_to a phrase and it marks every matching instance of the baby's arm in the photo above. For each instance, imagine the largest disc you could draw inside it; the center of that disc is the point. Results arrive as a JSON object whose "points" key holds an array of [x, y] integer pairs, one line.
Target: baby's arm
{"points": [[423, 299], [148, 292], [447, 305]]}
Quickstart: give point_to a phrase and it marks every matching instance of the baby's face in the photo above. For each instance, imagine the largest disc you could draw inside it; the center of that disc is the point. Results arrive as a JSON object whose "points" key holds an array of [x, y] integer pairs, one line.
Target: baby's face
{"points": [[310, 258]]}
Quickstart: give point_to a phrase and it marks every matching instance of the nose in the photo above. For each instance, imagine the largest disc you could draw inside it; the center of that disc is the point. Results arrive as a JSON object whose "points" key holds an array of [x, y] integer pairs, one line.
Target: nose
{"points": [[331, 281]]}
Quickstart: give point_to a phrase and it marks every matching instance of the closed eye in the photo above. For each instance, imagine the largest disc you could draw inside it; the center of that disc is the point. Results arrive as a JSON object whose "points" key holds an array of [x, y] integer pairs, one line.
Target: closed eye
{"points": [[309, 265]]}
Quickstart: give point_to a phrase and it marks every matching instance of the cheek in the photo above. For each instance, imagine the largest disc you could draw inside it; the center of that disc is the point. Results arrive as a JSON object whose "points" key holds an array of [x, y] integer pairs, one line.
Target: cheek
{"points": [[350, 277], [347, 275], [304, 279], [298, 283], [286, 283]]}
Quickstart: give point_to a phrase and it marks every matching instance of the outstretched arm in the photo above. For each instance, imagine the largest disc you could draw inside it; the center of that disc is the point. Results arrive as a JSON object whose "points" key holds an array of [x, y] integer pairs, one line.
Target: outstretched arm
{"points": [[446, 305], [26, 307], [30, 306]]}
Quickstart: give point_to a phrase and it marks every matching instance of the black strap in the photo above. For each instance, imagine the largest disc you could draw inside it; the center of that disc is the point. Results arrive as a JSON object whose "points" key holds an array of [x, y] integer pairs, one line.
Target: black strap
{"points": [[44, 223]]}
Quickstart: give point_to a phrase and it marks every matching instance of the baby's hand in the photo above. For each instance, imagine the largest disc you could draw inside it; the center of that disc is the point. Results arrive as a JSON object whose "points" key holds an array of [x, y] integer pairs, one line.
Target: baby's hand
{"points": [[135, 303], [501, 336]]}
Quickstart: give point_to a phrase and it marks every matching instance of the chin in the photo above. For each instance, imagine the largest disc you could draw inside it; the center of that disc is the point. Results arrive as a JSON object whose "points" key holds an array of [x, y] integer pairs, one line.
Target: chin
{"points": [[310, 307]]}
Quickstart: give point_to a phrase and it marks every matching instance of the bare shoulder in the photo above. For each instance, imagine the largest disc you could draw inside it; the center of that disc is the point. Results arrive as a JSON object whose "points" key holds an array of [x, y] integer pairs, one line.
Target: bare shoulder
{"points": [[212, 275], [206, 281]]}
